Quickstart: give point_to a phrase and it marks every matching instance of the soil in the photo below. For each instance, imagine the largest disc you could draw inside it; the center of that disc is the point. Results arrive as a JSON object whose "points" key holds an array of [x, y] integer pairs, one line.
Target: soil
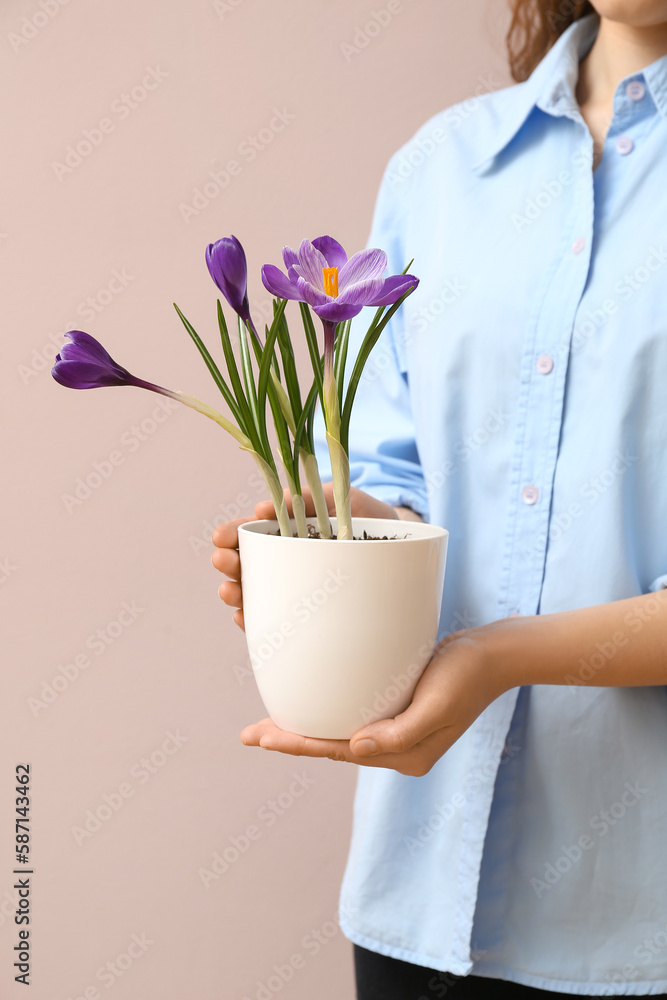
{"points": [[314, 532]]}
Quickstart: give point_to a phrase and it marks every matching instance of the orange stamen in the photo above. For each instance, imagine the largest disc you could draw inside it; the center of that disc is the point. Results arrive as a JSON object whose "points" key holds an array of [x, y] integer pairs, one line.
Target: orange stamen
{"points": [[330, 275]]}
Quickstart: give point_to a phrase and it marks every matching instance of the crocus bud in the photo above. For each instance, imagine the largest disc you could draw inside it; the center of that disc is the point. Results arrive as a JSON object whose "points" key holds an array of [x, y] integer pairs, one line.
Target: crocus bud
{"points": [[227, 266], [84, 364]]}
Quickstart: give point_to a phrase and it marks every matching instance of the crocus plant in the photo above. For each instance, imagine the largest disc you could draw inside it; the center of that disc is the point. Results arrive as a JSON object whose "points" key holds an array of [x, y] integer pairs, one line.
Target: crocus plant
{"points": [[320, 277]]}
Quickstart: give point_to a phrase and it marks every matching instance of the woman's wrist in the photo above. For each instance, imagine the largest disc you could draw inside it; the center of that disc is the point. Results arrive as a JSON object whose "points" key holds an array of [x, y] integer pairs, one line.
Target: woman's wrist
{"points": [[619, 644]]}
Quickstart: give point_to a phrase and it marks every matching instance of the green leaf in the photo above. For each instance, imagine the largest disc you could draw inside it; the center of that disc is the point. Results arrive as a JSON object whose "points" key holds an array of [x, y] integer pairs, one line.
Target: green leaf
{"points": [[340, 358], [232, 369], [238, 414], [304, 418], [248, 375], [289, 367], [313, 347], [290, 460], [264, 374]]}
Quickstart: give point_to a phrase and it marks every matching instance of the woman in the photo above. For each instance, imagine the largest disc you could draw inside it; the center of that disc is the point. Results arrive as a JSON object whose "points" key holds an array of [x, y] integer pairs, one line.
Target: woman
{"points": [[510, 825]]}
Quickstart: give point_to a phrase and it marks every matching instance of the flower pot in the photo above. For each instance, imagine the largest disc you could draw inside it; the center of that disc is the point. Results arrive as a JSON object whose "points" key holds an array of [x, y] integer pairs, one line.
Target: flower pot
{"points": [[339, 632]]}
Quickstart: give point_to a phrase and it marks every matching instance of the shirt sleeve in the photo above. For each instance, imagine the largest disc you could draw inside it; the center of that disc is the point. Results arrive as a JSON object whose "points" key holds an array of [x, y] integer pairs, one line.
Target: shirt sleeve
{"points": [[384, 458], [660, 583]]}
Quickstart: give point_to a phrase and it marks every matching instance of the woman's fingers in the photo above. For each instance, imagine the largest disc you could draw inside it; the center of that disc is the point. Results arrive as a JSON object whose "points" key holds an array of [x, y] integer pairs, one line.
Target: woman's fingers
{"points": [[231, 594], [265, 509], [226, 536], [227, 561], [415, 762]]}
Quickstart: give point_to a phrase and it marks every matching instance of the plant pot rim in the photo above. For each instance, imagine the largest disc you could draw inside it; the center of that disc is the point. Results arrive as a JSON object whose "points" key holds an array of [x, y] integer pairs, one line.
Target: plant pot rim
{"points": [[417, 530]]}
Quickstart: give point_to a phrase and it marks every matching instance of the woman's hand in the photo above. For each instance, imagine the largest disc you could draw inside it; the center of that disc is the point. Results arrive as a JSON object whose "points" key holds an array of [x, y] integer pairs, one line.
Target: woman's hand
{"points": [[226, 536], [456, 687], [619, 644]]}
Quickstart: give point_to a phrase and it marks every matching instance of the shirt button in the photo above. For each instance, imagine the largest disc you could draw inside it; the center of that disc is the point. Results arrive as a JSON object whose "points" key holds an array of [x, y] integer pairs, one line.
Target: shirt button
{"points": [[578, 245], [624, 145], [635, 90], [529, 495], [545, 364]]}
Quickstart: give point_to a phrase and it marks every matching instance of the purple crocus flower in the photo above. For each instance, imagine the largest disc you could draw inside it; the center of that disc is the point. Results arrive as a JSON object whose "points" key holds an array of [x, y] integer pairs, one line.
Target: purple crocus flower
{"points": [[84, 364], [227, 265], [357, 282]]}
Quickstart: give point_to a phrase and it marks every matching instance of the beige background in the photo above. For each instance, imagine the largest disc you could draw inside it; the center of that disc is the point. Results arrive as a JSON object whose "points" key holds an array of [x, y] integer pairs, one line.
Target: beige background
{"points": [[67, 567]]}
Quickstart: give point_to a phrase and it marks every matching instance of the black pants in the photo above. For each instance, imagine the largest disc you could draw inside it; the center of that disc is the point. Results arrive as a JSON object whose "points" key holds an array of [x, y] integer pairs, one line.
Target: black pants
{"points": [[382, 978]]}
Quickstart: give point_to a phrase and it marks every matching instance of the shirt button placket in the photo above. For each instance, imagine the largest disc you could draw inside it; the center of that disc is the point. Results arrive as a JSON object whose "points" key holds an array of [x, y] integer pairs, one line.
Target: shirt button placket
{"points": [[541, 406]]}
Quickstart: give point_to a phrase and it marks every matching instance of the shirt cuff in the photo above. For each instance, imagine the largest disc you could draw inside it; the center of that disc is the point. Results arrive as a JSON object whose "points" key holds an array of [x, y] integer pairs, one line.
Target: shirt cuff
{"points": [[402, 497], [660, 583]]}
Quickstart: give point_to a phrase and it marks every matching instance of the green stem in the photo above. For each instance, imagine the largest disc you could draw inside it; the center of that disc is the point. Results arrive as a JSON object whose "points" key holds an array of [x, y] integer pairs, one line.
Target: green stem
{"points": [[340, 463], [340, 474], [276, 492], [298, 505], [309, 463], [284, 401], [196, 404]]}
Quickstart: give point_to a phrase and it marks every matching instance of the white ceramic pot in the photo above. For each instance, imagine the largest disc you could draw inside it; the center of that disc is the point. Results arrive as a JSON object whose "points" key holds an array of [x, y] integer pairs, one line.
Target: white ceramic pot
{"points": [[339, 632]]}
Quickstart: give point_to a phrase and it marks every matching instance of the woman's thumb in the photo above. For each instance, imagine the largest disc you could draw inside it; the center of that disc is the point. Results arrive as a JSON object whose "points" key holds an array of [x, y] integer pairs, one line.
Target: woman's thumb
{"points": [[386, 736]]}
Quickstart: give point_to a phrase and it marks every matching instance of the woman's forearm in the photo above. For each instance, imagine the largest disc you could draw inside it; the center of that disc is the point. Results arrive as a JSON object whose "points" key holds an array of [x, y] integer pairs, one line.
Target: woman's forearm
{"points": [[621, 644]]}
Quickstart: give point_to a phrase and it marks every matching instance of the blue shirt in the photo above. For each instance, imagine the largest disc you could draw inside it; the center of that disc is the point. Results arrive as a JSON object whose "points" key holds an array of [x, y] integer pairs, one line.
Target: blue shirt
{"points": [[519, 399]]}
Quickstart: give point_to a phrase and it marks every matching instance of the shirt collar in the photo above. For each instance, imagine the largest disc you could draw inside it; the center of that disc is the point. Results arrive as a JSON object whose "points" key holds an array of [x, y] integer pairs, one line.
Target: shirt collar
{"points": [[549, 86], [655, 77], [552, 88]]}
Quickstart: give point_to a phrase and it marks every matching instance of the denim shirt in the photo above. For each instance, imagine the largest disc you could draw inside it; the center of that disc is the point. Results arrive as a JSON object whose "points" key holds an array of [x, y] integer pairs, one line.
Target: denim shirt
{"points": [[519, 399]]}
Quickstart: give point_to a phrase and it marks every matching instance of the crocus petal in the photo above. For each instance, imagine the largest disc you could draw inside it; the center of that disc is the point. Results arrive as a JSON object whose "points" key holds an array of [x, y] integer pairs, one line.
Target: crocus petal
{"points": [[79, 352], [393, 288], [84, 364], [331, 250], [92, 348], [313, 296], [311, 264], [361, 292], [337, 312], [278, 284], [85, 375], [290, 257], [363, 265], [227, 266]]}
